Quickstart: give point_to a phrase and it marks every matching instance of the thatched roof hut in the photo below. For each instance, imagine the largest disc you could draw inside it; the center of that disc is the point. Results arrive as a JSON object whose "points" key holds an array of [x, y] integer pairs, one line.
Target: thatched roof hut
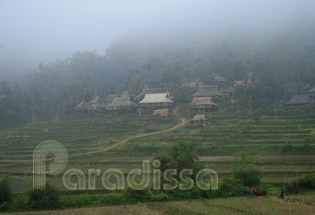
{"points": [[90, 106], [208, 91], [203, 104], [199, 120], [300, 101], [121, 103], [110, 98], [125, 94]]}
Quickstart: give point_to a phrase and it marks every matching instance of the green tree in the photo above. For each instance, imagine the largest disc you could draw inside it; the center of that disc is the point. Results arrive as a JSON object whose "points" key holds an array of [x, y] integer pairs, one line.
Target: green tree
{"points": [[245, 172], [5, 190], [45, 198], [182, 155]]}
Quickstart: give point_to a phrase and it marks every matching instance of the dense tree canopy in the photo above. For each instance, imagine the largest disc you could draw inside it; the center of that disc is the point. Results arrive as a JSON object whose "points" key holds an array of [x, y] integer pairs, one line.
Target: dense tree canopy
{"points": [[278, 68]]}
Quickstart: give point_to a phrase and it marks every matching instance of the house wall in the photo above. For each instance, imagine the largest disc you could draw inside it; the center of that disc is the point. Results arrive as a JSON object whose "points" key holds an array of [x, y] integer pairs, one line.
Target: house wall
{"points": [[154, 106]]}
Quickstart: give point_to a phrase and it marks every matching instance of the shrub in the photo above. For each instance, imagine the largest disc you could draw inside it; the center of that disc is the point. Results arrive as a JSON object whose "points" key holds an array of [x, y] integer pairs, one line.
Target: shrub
{"points": [[158, 196], [5, 190], [5, 206], [138, 195], [21, 201], [193, 193], [292, 187], [308, 181], [112, 199], [45, 198], [248, 175], [231, 187]]}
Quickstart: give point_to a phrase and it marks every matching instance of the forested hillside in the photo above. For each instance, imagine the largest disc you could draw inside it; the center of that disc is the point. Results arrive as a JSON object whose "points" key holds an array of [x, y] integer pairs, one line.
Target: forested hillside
{"points": [[279, 66]]}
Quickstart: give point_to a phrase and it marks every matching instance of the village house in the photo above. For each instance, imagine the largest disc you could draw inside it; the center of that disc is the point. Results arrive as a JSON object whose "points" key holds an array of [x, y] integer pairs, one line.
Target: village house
{"points": [[209, 91], [217, 79], [155, 101], [239, 83], [199, 120], [121, 104], [311, 92], [300, 101], [203, 104], [150, 91], [125, 94], [91, 106], [191, 84], [110, 98]]}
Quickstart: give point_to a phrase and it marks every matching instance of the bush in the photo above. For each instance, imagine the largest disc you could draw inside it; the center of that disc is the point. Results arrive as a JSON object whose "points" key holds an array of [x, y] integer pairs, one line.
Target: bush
{"points": [[5, 206], [138, 195], [112, 199], [158, 196], [44, 198], [231, 187], [5, 190], [21, 201], [308, 181], [248, 175], [292, 187], [193, 193]]}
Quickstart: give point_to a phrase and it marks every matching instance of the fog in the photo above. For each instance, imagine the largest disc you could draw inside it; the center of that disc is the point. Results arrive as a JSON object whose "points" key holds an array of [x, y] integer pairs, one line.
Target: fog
{"points": [[34, 32]]}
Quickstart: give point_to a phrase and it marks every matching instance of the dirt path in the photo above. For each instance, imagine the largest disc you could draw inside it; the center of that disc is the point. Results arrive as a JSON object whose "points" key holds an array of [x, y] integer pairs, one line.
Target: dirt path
{"points": [[181, 124]]}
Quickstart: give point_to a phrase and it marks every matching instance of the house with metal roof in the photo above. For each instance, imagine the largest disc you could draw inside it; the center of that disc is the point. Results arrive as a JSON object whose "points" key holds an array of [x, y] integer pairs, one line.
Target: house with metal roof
{"points": [[311, 92], [300, 101], [208, 91], [155, 101], [150, 91], [203, 104]]}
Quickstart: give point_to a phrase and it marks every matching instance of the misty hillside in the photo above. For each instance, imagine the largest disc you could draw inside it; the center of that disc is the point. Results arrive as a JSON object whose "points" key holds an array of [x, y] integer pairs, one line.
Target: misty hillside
{"points": [[279, 66], [157, 107]]}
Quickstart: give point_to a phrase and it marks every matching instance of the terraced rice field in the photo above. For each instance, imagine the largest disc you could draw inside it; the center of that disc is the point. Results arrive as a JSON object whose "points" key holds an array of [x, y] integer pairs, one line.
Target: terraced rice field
{"points": [[282, 146]]}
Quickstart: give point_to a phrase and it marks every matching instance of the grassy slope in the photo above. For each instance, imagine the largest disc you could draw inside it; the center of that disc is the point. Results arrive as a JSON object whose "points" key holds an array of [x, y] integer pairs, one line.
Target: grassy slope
{"points": [[242, 205], [292, 205], [227, 135]]}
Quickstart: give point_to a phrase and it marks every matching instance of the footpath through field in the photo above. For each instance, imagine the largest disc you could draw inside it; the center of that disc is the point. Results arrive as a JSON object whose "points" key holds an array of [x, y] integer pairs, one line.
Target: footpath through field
{"points": [[181, 124]]}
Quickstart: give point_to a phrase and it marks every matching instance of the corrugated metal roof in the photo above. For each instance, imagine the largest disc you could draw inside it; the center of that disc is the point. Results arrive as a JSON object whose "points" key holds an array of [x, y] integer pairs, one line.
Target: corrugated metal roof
{"points": [[150, 91], [156, 98], [312, 90]]}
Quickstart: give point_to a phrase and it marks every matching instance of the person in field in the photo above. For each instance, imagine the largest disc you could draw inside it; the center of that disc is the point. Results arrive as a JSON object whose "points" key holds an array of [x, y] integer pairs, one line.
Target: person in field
{"points": [[282, 193], [252, 192]]}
